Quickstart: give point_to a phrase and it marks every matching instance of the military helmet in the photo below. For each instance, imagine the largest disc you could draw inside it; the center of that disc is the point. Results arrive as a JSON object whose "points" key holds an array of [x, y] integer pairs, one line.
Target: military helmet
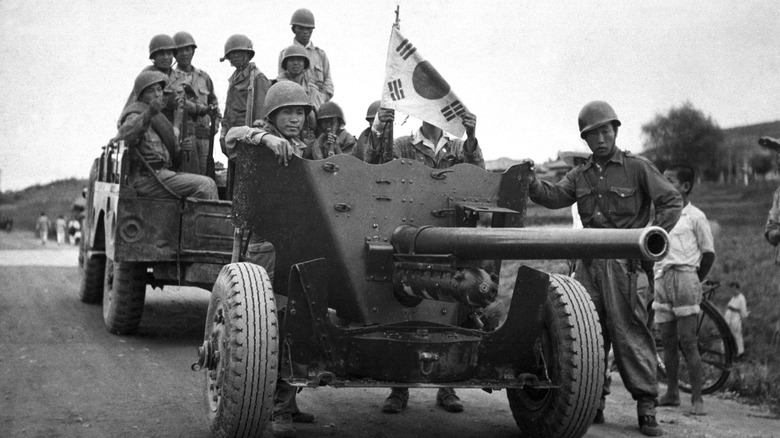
{"points": [[293, 51], [147, 78], [238, 42], [595, 114], [285, 93], [161, 42], [184, 39], [302, 17], [328, 110], [372, 110]]}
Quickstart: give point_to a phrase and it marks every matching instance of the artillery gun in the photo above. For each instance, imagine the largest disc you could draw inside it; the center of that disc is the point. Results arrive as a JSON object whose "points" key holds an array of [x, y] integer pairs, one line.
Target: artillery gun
{"points": [[380, 274]]}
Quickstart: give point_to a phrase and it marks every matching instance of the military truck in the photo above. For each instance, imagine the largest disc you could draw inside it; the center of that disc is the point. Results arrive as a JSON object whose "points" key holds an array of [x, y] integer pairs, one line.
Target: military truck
{"points": [[130, 241], [381, 278]]}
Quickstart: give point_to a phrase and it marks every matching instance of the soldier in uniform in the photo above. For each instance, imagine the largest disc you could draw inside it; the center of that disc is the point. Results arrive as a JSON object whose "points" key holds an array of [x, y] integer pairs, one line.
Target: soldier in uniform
{"points": [[368, 139], [247, 87], [302, 24], [287, 106], [333, 139], [206, 105], [295, 66], [434, 148], [161, 51], [616, 189], [151, 134]]}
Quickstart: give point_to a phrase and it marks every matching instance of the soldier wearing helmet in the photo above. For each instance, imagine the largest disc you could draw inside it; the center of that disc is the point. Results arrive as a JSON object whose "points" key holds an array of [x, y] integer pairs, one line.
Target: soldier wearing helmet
{"points": [[295, 63], [368, 139], [302, 25], [616, 189], [205, 105], [286, 107], [247, 87], [333, 138], [150, 134]]}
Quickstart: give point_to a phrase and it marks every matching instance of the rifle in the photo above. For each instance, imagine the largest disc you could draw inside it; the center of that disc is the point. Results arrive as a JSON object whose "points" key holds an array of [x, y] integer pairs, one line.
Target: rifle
{"points": [[210, 172], [188, 159]]}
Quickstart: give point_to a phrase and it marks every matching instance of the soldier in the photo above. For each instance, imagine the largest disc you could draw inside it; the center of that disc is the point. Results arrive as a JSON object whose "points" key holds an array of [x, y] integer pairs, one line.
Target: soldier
{"points": [[302, 24], [334, 139], [434, 148], [287, 106], [206, 105], [368, 138], [161, 51], [615, 189], [772, 227], [151, 135], [295, 63], [247, 87]]}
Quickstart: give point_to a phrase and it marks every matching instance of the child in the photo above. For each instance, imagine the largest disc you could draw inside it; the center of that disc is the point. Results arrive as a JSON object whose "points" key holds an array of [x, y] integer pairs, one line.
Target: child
{"points": [[678, 291], [735, 312]]}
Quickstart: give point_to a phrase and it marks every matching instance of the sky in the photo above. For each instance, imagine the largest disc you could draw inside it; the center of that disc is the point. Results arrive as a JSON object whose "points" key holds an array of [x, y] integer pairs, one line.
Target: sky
{"points": [[525, 68]]}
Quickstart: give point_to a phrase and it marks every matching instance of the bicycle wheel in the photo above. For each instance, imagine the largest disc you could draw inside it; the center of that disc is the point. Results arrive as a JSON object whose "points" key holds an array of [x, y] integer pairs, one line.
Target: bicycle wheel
{"points": [[717, 349]]}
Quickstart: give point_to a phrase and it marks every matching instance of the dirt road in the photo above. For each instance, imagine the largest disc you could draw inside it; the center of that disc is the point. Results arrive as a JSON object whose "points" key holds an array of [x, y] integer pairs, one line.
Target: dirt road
{"points": [[63, 375]]}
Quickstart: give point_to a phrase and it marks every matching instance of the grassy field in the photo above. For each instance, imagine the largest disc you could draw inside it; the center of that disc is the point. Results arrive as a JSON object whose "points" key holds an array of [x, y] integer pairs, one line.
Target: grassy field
{"points": [[738, 215]]}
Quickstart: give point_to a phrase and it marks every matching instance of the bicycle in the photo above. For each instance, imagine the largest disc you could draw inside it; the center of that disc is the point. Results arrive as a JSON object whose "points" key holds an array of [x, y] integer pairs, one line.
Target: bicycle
{"points": [[717, 347]]}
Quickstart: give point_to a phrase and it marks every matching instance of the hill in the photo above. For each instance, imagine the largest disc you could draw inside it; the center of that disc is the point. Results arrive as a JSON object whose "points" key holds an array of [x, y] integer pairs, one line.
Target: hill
{"points": [[54, 199]]}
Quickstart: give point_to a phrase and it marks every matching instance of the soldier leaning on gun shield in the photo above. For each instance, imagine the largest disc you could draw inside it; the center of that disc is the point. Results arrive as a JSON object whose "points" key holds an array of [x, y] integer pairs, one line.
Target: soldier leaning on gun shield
{"points": [[615, 189]]}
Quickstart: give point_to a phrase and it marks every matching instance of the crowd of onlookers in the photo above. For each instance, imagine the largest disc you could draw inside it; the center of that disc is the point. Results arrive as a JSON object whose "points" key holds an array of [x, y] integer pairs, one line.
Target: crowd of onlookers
{"points": [[70, 228]]}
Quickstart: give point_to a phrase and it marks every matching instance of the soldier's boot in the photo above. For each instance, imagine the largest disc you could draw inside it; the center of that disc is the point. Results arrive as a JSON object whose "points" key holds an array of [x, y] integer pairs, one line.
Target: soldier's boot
{"points": [[447, 399], [397, 400], [282, 425]]}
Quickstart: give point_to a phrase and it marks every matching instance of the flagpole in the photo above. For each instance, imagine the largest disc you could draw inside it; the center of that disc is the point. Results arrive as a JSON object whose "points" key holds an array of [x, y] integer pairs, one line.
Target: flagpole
{"points": [[386, 153], [397, 23]]}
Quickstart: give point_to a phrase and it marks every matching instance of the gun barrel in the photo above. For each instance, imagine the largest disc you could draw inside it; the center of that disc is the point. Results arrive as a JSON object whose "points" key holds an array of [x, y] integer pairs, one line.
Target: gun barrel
{"points": [[650, 243]]}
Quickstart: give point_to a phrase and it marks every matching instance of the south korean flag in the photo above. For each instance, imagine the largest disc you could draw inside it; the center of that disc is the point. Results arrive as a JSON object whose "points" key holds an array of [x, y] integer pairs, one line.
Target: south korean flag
{"points": [[414, 87]]}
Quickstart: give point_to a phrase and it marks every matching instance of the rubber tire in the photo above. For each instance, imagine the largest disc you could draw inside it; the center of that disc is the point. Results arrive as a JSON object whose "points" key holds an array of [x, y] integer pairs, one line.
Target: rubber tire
{"points": [[124, 292], [716, 360], [242, 326], [573, 349], [93, 271]]}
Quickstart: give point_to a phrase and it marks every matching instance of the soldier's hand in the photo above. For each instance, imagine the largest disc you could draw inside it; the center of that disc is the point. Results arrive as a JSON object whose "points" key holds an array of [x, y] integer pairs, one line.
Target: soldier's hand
{"points": [[531, 166], [331, 138], [155, 107], [223, 145], [386, 115], [281, 148], [470, 122], [186, 144], [213, 111]]}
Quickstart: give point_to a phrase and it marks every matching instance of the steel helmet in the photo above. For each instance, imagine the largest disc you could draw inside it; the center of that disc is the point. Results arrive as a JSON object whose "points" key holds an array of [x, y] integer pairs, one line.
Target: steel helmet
{"points": [[147, 78], [293, 51], [302, 17], [595, 114], [372, 110], [285, 93], [330, 109], [184, 39], [238, 42], [161, 42]]}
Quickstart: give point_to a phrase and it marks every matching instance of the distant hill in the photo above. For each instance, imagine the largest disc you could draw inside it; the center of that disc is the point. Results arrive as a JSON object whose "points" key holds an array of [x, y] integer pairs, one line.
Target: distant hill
{"points": [[771, 129], [55, 198]]}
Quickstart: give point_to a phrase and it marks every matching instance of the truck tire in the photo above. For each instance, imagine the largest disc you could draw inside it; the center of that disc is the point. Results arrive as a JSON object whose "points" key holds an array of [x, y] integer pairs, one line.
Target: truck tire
{"points": [[242, 328], [573, 350], [92, 277], [123, 296]]}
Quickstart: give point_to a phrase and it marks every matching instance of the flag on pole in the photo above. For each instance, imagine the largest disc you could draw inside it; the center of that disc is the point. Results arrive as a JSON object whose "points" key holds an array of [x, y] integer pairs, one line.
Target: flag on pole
{"points": [[414, 87]]}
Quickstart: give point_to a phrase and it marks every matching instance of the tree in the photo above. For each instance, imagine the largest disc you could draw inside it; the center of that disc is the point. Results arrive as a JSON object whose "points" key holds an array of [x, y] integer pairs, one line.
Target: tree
{"points": [[685, 135]]}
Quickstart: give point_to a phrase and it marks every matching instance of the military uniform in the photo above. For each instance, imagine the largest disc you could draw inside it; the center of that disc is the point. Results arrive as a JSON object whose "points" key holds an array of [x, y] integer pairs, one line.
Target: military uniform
{"points": [[245, 97], [203, 87], [318, 73], [619, 195]]}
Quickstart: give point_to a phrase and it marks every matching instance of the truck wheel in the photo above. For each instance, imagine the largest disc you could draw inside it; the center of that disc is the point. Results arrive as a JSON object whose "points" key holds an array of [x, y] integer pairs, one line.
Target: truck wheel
{"points": [[573, 351], [242, 336], [124, 291], [92, 277]]}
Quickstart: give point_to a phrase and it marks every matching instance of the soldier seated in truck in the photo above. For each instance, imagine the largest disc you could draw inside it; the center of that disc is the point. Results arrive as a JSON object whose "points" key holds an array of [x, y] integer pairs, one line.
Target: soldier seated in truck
{"points": [[150, 137]]}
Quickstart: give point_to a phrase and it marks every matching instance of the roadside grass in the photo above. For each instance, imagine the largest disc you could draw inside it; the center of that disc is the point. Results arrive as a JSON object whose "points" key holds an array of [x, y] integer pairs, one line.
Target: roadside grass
{"points": [[738, 215]]}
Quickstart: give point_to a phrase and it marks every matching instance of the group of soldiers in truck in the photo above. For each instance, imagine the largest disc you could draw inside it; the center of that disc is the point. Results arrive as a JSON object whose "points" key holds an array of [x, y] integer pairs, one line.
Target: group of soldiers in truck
{"points": [[171, 119]]}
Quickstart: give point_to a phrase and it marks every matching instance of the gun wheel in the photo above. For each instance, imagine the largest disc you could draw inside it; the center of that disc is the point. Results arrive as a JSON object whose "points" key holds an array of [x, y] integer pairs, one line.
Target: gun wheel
{"points": [[124, 292], [573, 350], [242, 345]]}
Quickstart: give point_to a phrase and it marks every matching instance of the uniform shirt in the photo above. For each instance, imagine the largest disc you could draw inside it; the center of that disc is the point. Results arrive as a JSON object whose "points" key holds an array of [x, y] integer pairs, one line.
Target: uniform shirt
{"points": [[316, 96], [365, 142], [238, 99], [344, 144], [137, 129], [201, 82], [689, 239], [172, 89], [447, 152], [319, 68], [619, 195]]}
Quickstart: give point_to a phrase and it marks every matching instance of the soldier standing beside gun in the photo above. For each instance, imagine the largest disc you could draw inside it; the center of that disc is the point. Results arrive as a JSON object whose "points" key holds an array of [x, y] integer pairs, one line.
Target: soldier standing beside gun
{"points": [[206, 109], [615, 189], [333, 139]]}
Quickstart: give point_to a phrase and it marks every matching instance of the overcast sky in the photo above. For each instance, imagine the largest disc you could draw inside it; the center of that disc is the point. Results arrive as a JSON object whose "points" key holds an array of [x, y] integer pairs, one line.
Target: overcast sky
{"points": [[525, 68]]}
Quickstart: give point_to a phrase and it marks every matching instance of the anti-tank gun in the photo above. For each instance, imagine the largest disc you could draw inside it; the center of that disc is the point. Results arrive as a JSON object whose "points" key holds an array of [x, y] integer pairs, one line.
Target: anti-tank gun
{"points": [[381, 267]]}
